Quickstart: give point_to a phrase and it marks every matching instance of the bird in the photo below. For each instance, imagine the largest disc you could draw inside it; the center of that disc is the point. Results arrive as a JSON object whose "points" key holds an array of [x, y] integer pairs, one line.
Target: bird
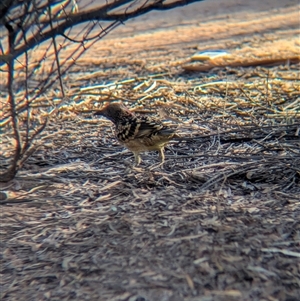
{"points": [[138, 133]]}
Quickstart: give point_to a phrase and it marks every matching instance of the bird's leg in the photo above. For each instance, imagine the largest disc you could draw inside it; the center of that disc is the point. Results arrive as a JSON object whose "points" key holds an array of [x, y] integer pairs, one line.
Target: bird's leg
{"points": [[162, 159], [137, 158], [161, 155]]}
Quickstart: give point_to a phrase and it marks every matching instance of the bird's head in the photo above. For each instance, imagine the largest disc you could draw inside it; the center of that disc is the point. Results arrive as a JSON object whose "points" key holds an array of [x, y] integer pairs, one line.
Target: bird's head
{"points": [[114, 111]]}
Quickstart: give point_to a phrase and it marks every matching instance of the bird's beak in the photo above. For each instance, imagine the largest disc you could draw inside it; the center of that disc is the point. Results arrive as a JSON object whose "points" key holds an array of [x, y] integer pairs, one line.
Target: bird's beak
{"points": [[99, 112]]}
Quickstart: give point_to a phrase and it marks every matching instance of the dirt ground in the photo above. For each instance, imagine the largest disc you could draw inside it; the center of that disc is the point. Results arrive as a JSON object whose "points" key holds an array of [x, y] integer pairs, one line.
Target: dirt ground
{"points": [[220, 220]]}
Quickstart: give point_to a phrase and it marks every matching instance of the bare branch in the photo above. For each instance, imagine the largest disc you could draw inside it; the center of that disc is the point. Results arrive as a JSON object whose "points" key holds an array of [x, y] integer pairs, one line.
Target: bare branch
{"points": [[96, 14], [10, 173]]}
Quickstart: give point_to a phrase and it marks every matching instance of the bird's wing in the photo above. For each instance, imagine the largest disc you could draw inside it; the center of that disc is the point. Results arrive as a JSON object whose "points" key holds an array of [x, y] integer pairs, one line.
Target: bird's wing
{"points": [[147, 127], [141, 127]]}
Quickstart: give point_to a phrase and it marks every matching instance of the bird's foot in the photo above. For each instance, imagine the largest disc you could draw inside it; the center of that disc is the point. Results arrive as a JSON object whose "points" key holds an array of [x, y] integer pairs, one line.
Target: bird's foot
{"points": [[157, 166]]}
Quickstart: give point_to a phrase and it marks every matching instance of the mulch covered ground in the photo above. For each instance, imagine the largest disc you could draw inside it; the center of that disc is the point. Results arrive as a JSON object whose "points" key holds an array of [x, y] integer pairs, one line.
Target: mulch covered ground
{"points": [[220, 220]]}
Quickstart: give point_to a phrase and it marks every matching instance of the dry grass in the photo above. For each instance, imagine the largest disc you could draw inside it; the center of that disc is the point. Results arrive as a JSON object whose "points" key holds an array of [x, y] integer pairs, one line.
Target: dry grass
{"points": [[219, 221]]}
